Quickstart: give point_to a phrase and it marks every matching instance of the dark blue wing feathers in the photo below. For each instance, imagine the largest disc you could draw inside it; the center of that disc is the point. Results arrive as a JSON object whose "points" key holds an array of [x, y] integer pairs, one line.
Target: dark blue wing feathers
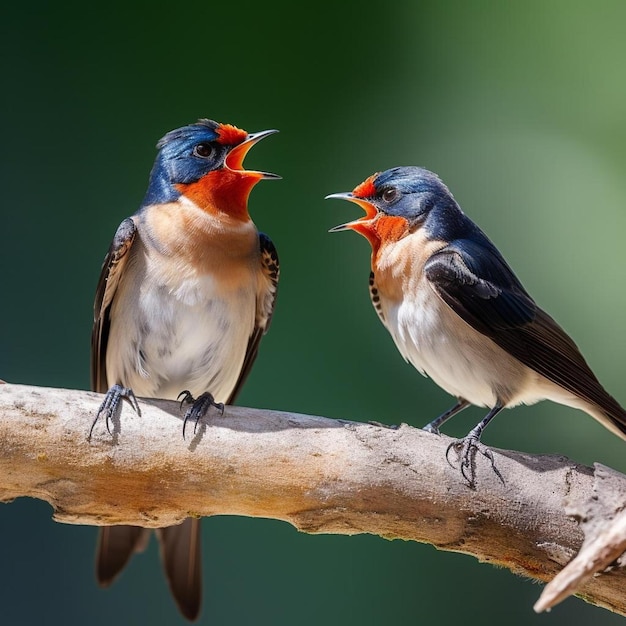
{"points": [[475, 281]]}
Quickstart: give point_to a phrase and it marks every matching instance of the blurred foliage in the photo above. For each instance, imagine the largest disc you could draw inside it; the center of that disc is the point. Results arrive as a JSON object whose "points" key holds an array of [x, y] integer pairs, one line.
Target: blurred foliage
{"points": [[518, 106]]}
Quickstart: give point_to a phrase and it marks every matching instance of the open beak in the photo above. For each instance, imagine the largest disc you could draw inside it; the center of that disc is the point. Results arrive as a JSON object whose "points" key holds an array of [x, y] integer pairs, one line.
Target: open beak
{"points": [[368, 207], [234, 159]]}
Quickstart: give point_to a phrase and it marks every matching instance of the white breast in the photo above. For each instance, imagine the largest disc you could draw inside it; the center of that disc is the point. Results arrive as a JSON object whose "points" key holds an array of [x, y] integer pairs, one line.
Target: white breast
{"points": [[174, 329], [429, 339], [438, 342]]}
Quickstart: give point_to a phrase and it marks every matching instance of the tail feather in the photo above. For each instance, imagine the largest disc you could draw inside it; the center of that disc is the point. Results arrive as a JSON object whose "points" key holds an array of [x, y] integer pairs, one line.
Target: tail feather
{"points": [[613, 418], [608, 412], [182, 560], [116, 544]]}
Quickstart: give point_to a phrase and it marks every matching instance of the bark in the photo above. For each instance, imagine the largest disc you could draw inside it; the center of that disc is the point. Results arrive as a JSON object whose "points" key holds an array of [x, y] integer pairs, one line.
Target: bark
{"points": [[319, 474]]}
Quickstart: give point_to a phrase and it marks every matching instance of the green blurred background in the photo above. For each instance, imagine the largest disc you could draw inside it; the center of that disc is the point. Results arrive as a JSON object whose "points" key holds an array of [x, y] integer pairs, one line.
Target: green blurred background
{"points": [[519, 106]]}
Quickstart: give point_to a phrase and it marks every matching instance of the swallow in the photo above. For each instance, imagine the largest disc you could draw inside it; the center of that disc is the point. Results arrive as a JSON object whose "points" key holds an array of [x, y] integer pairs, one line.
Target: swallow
{"points": [[186, 292], [459, 315]]}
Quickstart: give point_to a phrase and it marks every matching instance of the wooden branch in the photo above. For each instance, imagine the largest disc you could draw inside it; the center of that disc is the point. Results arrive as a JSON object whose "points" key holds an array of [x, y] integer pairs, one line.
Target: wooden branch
{"points": [[321, 475], [603, 520]]}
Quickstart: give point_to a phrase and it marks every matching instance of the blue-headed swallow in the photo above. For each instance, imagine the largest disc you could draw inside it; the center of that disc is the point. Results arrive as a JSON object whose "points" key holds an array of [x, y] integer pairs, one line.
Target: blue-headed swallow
{"points": [[187, 290], [457, 312]]}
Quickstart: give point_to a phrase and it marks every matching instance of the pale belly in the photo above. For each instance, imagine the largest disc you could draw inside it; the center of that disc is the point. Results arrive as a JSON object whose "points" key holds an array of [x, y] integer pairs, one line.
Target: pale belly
{"points": [[164, 342], [459, 359]]}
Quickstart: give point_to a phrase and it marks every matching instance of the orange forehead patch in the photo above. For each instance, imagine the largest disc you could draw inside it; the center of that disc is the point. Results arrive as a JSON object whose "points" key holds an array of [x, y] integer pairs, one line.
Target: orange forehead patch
{"points": [[366, 189], [229, 135]]}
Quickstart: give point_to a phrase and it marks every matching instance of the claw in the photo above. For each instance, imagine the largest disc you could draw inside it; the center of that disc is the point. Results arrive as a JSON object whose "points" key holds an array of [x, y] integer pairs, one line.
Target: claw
{"points": [[470, 444], [467, 449], [199, 408], [454, 444], [187, 416], [187, 397], [111, 405]]}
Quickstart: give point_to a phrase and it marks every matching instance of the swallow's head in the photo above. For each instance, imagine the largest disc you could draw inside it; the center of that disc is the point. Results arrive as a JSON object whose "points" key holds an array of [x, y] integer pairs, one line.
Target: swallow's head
{"points": [[397, 202], [204, 162]]}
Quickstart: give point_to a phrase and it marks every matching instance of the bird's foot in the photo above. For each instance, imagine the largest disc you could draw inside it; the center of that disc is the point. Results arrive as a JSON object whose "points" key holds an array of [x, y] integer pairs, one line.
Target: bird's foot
{"points": [[467, 448], [199, 407], [431, 428], [111, 406]]}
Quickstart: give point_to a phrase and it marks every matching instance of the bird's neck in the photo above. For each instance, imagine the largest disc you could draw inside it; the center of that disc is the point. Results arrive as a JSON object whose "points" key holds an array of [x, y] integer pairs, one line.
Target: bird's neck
{"points": [[398, 265], [196, 238]]}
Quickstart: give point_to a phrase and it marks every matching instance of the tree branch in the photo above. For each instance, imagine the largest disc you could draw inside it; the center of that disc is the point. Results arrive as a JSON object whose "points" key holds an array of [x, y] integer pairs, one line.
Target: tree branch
{"points": [[321, 475]]}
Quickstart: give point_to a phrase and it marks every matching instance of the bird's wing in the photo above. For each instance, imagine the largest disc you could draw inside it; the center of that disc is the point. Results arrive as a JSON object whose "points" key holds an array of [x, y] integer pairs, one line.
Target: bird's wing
{"points": [[479, 286], [112, 269], [375, 298], [266, 299], [476, 283]]}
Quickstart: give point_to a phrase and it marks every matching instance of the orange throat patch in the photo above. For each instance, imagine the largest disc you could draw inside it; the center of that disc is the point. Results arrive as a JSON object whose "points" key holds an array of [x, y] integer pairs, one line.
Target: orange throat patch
{"points": [[382, 230], [222, 191]]}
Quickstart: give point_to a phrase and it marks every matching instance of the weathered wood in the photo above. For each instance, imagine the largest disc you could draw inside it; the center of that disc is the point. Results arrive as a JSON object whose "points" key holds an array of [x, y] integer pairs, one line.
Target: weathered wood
{"points": [[321, 475]]}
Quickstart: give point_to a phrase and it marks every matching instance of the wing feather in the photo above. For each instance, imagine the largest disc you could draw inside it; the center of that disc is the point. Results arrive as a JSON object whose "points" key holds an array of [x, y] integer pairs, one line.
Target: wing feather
{"points": [[112, 268], [266, 300], [475, 281]]}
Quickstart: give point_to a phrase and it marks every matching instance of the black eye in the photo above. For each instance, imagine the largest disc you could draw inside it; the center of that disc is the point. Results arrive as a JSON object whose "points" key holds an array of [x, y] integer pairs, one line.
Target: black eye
{"points": [[203, 150], [389, 195]]}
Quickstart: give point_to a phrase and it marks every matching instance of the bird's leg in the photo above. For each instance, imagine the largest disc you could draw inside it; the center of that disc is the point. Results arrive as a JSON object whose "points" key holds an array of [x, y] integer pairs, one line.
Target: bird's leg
{"points": [[433, 427], [470, 445], [199, 407], [111, 405], [381, 425]]}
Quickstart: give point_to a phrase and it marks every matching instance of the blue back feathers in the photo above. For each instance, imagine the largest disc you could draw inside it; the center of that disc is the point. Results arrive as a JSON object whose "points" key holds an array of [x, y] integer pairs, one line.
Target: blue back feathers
{"points": [[177, 161]]}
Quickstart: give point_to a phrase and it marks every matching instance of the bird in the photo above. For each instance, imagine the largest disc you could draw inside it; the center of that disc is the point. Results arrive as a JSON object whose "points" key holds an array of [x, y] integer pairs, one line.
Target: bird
{"points": [[458, 313], [187, 290]]}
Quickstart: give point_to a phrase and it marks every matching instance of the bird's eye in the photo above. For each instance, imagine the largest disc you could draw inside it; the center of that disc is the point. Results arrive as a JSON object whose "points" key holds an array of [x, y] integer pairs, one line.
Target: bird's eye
{"points": [[203, 150], [389, 195]]}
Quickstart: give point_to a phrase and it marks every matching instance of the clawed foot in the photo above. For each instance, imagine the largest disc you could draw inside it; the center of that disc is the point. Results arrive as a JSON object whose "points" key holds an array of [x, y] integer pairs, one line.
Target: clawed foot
{"points": [[467, 449], [111, 405], [199, 407]]}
